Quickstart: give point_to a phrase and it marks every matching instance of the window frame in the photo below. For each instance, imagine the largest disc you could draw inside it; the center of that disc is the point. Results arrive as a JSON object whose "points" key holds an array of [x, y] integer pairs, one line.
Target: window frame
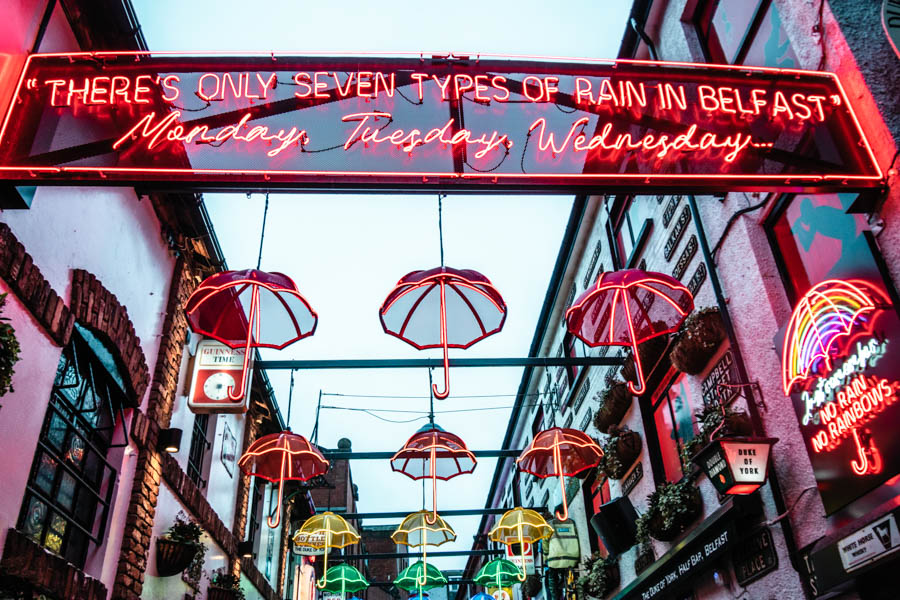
{"points": [[589, 494], [199, 451], [96, 439]]}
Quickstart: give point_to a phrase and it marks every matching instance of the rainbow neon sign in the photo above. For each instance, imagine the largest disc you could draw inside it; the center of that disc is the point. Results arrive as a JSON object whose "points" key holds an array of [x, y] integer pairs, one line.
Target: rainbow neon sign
{"points": [[831, 310]]}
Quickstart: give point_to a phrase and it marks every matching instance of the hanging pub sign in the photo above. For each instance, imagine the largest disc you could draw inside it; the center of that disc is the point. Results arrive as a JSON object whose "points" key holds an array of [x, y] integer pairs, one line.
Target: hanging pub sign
{"points": [[306, 544], [476, 122], [737, 465], [840, 371], [218, 371]]}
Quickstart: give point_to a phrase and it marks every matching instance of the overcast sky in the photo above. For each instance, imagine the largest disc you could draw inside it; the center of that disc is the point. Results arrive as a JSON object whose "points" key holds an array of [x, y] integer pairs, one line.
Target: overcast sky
{"points": [[347, 251]]}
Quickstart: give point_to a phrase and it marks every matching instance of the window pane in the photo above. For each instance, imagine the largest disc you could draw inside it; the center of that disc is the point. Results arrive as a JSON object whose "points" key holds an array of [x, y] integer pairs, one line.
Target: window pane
{"points": [[771, 46], [730, 22], [818, 240], [46, 473], [56, 533], [66, 494], [35, 514], [674, 418]]}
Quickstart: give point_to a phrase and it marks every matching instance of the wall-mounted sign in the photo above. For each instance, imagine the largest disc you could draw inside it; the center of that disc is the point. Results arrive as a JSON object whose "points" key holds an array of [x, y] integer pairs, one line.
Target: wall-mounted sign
{"points": [[872, 541], [449, 121], [218, 368], [229, 449], [754, 556], [839, 370], [736, 466], [515, 555], [725, 372], [308, 545], [890, 20], [632, 479]]}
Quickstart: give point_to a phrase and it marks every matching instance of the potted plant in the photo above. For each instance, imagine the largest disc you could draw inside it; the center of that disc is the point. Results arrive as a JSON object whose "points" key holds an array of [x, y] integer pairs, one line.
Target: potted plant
{"points": [[621, 449], [601, 576], [224, 586], [649, 352], [9, 351], [614, 402], [713, 419], [699, 338], [178, 547], [671, 508]]}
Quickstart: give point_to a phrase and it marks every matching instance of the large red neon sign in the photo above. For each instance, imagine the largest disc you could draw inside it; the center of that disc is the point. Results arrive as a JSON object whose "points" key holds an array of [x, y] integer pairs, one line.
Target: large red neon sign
{"points": [[137, 116]]}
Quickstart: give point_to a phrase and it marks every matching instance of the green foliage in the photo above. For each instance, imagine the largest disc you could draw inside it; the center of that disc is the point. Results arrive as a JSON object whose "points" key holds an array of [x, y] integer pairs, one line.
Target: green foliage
{"points": [[226, 581], [613, 463], [184, 530], [698, 330], [669, 507], [9, 351], [709, 418], [600, 575]]}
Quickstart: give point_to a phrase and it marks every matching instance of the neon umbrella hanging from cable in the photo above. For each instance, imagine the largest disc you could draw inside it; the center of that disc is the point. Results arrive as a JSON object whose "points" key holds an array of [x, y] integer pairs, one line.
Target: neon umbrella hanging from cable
{"points": [[443, 308], [626, 308], [280, 457], [558, 452], [341, 579], [500, 572], [327, 531], [434, 453], [250, 309], [520, 526], [420, 576], [418, 531]]}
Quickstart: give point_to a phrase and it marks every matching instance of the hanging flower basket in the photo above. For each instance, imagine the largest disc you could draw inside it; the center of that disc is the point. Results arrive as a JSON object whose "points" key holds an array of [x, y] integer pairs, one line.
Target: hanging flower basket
{"points": [[601, 576], [614, 403], [217, 593], [672, 507], [649, 352], [620, 451], [701, 335], [173, 556], [737, 423], [224, 586], [9, 351]]}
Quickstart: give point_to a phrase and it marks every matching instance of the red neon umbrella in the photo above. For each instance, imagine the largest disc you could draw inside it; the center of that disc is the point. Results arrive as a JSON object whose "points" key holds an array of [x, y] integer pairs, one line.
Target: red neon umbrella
{"points": [[435, 453], [627, 308], [558, 452], [251, 308], [443, 308], [279, 457]]}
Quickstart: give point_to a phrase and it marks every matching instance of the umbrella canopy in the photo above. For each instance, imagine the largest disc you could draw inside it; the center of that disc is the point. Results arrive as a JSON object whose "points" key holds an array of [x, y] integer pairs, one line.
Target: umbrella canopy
{"points": [[499, 572], [482, 596], [558, 452], [435, 453], [344, 578], [626, 308], [828, 312], [279, 457], [250, 309], [420, 576], [520, 526], [443, 308], [328, 530], [418, 530]]}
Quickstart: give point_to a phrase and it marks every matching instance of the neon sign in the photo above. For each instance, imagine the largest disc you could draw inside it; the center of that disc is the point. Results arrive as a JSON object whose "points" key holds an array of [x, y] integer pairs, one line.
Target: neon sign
{"points": [[487, 121]]}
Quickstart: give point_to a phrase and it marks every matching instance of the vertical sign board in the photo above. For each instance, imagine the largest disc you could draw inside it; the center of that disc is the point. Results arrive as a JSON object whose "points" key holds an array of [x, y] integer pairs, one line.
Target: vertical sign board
{"points": [[484, 123], [218, 369], [890, 20], [873, 541], [846, 404], [515, 555]]}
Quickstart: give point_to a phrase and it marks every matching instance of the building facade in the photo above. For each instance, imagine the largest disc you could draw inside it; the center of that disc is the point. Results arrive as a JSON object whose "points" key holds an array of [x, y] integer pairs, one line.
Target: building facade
{"points": [[810, 532]]}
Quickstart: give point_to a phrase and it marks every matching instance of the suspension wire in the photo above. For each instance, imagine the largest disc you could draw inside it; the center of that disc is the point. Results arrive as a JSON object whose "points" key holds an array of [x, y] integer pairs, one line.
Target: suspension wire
{"points": [[431, 394], [394, 397], [441, 227], [290, 397], [262, 234], [424, 414]]}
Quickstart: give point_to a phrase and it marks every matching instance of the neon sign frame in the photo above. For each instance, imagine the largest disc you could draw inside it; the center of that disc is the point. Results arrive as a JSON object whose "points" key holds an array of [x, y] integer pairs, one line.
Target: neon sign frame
{"points": [[481, 88]]}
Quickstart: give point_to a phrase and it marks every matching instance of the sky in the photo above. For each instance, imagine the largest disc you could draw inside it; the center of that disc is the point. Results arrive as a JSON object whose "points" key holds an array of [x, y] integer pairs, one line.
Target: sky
{"points": [[346, 252]]}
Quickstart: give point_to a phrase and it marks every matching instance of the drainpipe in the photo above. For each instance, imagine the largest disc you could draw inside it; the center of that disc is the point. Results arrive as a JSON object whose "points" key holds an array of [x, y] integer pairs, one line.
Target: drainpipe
{"points": [[755, 417]]}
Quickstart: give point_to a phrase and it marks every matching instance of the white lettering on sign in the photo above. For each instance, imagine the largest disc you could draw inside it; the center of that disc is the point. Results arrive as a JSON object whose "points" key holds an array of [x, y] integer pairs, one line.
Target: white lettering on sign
{"points": [[748, 461], [684, 567]]}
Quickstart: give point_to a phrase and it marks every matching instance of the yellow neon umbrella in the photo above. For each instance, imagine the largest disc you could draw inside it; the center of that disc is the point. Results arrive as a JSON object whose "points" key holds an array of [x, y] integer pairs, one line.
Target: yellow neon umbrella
{"points": [[526, 525], [419, 529], [327, 531]]}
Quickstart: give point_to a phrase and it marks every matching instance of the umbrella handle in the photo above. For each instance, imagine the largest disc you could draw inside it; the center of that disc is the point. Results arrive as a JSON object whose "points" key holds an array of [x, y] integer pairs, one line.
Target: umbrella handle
{"points": [[635, 355], [432, 518], [446, 392], [521, 575], [273, 524], [562, 485], [254, 317], [422, 579], [324, 581]]}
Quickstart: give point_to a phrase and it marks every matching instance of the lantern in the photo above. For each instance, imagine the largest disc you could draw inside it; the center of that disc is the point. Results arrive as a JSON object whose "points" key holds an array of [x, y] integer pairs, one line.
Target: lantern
{"points": [[736, 465]]}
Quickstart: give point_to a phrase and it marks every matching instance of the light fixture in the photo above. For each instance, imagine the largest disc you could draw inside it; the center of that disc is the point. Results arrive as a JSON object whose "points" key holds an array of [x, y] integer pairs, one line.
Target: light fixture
{"points": [[736, 465], [169, 440], [245, 549]]}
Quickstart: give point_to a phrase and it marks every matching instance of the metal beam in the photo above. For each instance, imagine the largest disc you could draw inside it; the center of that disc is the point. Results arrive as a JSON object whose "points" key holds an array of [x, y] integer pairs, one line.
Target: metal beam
{"points": [[417, 363], [388, 584], [393, 555], [339, 455], [444, 513]]}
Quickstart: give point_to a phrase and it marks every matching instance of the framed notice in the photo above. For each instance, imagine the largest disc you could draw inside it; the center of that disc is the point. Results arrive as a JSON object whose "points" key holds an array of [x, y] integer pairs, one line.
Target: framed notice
{"points": [[217, 375], [229, 449]]}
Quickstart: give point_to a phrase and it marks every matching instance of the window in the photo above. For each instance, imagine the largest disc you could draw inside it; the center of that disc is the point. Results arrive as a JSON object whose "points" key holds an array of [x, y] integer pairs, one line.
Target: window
{"points": [[629, 227], [197, 457], [814, 239], [673, 415], [574, 349], [538, 422], [70, 476], [748, 32]]}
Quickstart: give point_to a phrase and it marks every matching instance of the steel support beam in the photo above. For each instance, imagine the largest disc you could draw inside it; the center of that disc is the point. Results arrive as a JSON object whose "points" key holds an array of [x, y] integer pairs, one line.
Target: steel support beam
{"points": [[418, 363], [393, 555], [389, 584], [339, 455], [465, 512]]}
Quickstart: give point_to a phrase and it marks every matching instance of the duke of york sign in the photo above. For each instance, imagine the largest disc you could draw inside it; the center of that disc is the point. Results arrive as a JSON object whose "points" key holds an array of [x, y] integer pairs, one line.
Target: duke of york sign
{"points": [[437, 121]]}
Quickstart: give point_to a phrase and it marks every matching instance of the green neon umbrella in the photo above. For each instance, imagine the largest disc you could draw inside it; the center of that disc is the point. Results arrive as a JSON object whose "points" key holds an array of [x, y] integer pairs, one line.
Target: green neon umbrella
{"points": [[419, 576], [499, 572], [344, 578]]}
